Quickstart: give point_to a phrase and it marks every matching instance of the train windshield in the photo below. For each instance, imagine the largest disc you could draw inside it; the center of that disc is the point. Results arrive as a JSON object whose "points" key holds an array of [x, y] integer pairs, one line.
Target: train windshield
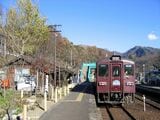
{"points": [[128, 69], [116, 71], [103, 70]]}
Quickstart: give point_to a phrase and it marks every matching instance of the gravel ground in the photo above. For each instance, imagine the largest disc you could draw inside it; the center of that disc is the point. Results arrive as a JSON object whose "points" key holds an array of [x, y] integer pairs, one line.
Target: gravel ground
{"points": [[136, 109]]}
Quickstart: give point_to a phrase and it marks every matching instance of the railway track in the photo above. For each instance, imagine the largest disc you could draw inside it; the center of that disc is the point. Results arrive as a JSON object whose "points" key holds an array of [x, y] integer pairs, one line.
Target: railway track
{"points": [[116, 113], [133, 111], [150, 102]]}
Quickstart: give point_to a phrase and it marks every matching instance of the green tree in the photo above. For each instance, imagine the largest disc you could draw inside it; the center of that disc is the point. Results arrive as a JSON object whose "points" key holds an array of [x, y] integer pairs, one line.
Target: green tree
{"points": [[9, 101], [25, 30]]}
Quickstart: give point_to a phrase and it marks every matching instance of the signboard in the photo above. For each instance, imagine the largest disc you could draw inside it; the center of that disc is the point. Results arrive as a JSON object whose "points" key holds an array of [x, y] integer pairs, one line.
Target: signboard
{"points": [[116, 83]]}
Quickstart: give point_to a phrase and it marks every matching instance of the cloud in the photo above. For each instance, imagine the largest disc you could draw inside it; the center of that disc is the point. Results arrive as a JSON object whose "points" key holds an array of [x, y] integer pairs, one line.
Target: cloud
{"points": [[152, 36]]}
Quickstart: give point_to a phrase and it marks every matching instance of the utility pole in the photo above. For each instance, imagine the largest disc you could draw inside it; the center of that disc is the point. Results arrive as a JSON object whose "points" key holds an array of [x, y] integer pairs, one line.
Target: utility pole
{"points": [[71, 57], [54, 30]]}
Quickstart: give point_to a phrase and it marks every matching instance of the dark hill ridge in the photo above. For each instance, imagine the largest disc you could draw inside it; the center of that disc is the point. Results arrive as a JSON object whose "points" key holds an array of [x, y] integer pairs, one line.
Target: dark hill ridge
{"points": [[139, 51], [144, 55]]}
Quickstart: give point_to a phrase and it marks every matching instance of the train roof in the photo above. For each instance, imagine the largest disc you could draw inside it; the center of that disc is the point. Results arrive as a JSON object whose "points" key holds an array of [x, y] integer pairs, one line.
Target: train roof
{"points": [[128, 61], [108, 60]]}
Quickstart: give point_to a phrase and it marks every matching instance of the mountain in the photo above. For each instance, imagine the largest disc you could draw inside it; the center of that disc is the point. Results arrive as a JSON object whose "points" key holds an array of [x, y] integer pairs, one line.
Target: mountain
{"points": [[139, 51], [144, 55]]}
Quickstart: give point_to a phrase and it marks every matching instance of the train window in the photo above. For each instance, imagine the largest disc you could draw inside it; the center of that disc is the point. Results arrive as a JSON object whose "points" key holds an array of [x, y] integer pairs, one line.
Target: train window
{"points": [[103, 70], [128, 69], [116, 71], [92, 71]]}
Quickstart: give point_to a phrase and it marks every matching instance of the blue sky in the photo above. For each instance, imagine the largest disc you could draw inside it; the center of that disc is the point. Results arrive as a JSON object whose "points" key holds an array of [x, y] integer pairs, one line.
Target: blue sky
{"points": [[117, 25]]}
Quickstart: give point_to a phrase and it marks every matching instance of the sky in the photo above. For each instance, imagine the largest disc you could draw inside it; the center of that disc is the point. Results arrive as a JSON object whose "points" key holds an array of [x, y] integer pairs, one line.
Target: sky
{"points": [[116, 25]]}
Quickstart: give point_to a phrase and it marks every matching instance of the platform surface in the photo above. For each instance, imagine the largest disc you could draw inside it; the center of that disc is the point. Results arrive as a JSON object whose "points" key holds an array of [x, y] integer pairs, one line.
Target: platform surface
{"points": [[78, 105]]}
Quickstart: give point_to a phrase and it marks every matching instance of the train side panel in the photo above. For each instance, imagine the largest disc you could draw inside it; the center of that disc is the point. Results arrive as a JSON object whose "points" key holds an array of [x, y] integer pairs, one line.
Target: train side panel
{"points": [[129, 77]]}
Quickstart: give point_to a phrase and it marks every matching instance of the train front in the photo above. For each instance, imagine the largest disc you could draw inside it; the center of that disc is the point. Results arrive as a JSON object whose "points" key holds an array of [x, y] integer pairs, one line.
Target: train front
{"points": [[115, 80]]}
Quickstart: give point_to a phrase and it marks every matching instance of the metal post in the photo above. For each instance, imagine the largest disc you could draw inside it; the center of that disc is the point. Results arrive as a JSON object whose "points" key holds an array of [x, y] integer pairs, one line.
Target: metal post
{"points": [[21, 93], [24, 112], [55, 95], [59, 76], [31, 87], [144, 103], [52, 92], [144, 72], [45, 100], [68, 89], [37, 79], [43, 83], [60, 93], [65, 91], [45, 93]]}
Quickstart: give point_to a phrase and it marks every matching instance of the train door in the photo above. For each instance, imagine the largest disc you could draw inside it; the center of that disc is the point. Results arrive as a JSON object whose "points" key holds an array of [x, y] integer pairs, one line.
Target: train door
{"points": [[116, 77], [91, 74]]}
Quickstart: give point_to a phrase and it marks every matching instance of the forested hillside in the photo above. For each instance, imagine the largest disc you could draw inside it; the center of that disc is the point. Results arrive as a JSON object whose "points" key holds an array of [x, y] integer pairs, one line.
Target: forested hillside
{"points": [[144, 55]]}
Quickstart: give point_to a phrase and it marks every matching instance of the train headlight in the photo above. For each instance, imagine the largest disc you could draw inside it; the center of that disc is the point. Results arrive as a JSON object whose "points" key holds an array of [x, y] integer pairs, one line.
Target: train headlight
{"points": [[102, 83], [130, 83]]}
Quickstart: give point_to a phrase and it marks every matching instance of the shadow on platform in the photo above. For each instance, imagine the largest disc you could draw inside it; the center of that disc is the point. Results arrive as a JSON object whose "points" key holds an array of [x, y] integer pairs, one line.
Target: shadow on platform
{"points": [[85, 87]]}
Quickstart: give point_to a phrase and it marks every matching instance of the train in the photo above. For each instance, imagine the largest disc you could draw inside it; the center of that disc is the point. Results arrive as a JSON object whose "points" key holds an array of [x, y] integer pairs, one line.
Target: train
{"points": [[152, 77], [87, 72], [115, 80]]}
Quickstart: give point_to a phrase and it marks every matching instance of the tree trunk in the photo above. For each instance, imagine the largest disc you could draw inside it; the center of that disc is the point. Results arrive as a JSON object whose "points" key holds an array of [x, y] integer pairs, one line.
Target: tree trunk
{"points": [[7, 111]]}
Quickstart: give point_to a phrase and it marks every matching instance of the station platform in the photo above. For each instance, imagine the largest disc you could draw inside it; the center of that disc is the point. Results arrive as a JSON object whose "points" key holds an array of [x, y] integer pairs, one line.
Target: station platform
{"points": [[78, 105], [153, 89]]}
